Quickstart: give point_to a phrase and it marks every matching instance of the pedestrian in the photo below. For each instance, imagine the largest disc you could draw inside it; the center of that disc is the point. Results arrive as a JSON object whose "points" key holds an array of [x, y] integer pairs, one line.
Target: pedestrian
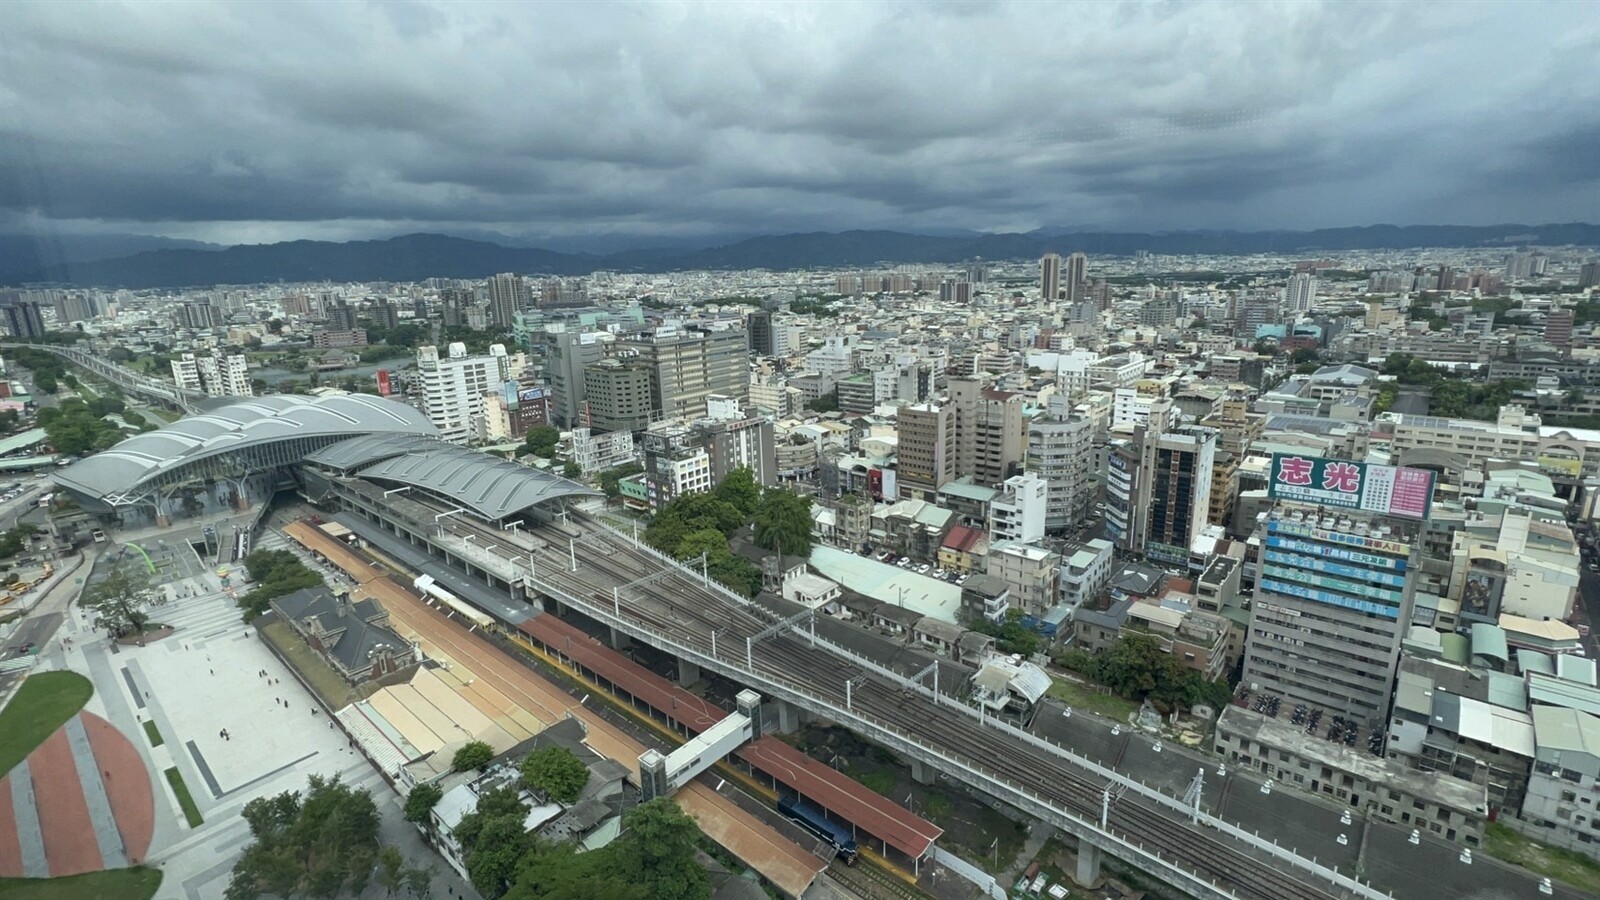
{"points": [[212, 671], [223, 733]]}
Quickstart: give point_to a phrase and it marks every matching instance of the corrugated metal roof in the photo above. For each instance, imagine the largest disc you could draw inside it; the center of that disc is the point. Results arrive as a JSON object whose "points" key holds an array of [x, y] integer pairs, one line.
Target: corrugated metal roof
{"points": [[491, 487], [1567, 730], [370, 448], [236, 426], [1553, 691]]}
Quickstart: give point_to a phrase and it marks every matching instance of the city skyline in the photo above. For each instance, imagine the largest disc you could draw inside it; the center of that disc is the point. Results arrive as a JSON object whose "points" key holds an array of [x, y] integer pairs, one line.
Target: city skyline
{"points": [[670, 123]]}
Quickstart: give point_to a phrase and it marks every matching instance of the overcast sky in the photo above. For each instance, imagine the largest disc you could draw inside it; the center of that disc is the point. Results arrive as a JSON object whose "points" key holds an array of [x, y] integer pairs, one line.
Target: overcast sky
{"points": [[262, 121]]}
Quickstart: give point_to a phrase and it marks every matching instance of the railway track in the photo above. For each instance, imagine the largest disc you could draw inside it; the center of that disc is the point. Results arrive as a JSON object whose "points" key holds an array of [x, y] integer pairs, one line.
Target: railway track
{"points": [[670, 607]]}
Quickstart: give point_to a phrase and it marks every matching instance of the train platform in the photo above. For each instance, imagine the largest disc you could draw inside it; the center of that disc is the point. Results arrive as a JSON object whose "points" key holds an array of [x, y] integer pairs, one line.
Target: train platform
{"points": [[785, 864], [892, 824]]}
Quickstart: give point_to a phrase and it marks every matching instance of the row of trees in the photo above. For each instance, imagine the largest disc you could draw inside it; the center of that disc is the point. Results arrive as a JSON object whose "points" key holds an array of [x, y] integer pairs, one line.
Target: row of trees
{"points": [[322, 844], [1137, 668], [275, 573]]}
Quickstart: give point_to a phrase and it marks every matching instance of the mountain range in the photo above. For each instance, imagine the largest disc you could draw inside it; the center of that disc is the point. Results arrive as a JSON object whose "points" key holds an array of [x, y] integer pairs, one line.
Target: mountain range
{"points": [[417, 256]]}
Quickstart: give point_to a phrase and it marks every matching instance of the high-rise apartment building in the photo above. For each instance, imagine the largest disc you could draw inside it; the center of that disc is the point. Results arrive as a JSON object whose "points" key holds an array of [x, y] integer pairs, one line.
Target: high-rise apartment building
{"points": [[688, 365], [217, 376], [198, 314], [78, 308], [1558, 328], [1301, 292], [384, 314], [1176, 493], [454, 303], [1335, 585], [991, 434], [454, 385], [1076, 277], [926, 452], [1589, 275], [617, 395], [1059, 448], [340, 315], [1252, 311], [508, 295], [1050, 276]]}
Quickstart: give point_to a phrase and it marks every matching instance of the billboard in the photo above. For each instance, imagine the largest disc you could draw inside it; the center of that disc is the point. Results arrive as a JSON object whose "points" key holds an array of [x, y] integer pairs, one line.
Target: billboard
{"points": [[1341, 484], [1480, 600], [383, 382]]}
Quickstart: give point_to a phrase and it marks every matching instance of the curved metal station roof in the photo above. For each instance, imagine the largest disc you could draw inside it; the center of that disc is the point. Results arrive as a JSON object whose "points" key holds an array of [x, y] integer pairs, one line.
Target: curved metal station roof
{"points": [[238, 425], [487, 485]]}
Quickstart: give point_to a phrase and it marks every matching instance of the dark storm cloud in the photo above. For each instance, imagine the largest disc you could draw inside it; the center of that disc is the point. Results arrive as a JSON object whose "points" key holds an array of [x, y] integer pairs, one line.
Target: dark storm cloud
{"points": [[267, 121]]}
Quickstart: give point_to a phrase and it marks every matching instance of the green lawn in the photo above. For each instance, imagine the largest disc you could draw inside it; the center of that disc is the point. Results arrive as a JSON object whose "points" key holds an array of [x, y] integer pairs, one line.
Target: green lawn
{"points": [[137, 883], [1562, 865], [334, 691], [151, 733], [190, 811], [43, 703], [882, 781], [1080, 696]]}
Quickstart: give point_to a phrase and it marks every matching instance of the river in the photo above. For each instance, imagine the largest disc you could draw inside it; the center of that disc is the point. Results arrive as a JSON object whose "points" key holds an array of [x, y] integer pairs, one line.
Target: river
{"points": [[365, 370]]}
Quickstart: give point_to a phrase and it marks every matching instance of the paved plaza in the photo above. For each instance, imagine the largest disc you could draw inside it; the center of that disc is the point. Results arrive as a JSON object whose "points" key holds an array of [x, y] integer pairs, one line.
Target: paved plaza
{"points": [[204, 679]]}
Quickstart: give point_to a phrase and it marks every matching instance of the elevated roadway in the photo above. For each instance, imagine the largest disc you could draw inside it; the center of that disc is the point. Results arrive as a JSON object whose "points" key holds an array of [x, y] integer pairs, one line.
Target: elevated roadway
{"points": [[123, 377]]}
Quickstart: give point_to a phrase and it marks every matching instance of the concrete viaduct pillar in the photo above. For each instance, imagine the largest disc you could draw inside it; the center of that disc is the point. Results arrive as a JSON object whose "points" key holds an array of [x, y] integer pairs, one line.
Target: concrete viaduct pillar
{"points": [[788, 717], [923, 773], [688, 672], [1088, 873], [617, 640]]}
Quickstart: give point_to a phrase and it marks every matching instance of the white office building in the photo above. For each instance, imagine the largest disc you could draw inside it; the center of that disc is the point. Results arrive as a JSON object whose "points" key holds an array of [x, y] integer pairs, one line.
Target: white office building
{"points": [[1018, 513], [453, 387]]}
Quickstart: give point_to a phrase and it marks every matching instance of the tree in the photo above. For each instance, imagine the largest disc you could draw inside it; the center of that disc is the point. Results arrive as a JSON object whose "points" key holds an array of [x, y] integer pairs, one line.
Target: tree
{"points": [[709, 541], [391, 870], [542, 440], [1133, 665], [609, 478], [471, 755], [275, 573], [657, 849], [421, 801], [740, 489], [556, 773], [121, 599], [827, 403], [321, 844], [494, 840], [560, 873], [572, 470], [783, 523]]}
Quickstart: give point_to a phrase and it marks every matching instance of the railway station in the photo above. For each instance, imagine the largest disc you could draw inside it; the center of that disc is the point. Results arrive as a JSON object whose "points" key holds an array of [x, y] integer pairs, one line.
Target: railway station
{"points": [[504, 548]]}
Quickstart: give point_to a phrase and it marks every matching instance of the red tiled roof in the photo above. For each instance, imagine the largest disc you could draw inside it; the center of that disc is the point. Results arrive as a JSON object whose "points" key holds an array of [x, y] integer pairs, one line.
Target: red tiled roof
{"points": [[961, 538], [868, 810], [871, 812]]}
